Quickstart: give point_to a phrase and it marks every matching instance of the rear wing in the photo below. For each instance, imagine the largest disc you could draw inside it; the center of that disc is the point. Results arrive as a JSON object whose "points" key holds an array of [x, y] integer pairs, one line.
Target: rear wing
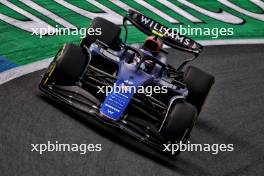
{"points": [[169, 36]]}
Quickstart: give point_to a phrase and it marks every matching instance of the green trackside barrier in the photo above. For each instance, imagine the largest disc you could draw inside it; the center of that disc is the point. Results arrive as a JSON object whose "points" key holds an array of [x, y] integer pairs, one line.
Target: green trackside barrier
{"points": [[21, 47]]}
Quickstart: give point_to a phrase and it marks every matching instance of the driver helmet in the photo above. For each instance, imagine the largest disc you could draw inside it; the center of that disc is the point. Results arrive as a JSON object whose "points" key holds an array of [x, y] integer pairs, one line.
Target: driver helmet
{"points": [[152, 44]]}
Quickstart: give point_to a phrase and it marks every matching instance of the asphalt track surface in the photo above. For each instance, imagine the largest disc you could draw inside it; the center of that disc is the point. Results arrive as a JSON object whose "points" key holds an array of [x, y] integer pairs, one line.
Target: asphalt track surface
{"points": [[233, 114]]}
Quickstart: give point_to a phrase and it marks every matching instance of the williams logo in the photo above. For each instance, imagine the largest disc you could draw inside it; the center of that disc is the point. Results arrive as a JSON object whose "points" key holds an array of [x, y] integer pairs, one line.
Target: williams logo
{"points": [[168, 32]]}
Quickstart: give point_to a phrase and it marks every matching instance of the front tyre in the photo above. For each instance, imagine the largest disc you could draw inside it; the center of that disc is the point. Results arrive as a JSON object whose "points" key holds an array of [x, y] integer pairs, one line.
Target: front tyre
{"points": [[67, 67], [179, 122], [199, 84], [109, 33]]}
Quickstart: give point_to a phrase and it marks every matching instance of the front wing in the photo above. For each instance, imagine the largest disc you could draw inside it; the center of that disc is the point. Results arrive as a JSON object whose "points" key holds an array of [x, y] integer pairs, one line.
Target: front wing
{"points": [[81, 100]]}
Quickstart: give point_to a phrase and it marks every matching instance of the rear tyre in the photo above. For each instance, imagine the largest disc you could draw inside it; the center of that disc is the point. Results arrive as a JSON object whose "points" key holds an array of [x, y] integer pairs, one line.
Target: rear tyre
{"points": [[179, 122], [110, 33], [67, 66], [199, 84]]}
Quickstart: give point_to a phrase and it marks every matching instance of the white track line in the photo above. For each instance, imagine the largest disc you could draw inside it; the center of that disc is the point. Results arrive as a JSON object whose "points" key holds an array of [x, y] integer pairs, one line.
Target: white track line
{"points": [[231, 42], [25, 69]]}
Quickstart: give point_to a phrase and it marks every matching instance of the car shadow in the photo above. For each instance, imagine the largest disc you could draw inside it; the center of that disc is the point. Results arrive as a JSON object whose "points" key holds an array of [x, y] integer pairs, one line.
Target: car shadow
{"points": [[174, 163]]}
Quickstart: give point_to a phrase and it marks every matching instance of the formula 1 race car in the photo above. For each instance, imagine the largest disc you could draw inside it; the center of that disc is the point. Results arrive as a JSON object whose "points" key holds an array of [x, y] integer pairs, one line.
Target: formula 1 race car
{"points": [[81, 76]]}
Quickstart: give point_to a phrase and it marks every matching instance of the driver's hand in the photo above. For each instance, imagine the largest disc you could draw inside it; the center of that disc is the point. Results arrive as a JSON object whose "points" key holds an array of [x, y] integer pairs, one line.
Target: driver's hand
{"points": [[136, 59], [148, 64]]}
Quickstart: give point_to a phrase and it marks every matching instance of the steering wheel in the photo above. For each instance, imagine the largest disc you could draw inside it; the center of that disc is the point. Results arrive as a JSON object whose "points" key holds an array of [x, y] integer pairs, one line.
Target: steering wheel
{"points": [[143, 58], [155, 60], [134, 50], [138, 53]]}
